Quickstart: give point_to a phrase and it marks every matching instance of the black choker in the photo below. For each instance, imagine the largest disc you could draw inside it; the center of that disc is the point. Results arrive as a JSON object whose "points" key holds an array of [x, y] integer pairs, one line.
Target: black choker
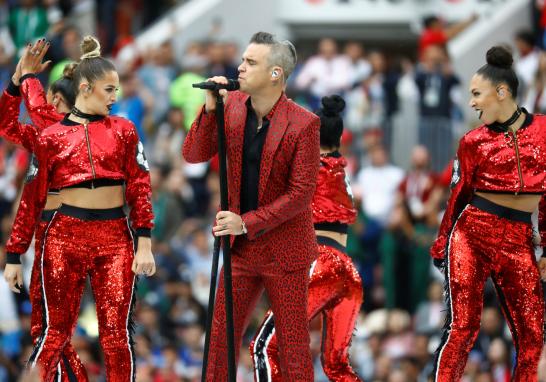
{"points": [[503, 126], [80, 114]]}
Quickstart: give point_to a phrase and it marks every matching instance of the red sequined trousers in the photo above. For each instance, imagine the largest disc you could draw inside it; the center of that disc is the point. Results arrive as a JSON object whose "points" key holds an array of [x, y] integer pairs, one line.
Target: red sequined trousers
{"points": [[253, 271], [483, 245], [70, 368], [73, 249], [335, 291]]}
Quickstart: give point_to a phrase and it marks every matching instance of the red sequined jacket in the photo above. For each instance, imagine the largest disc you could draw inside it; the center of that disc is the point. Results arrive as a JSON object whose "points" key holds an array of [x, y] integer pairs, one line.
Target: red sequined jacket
{"points": [[282, 224], [42, 115], [491, 160], [68, 154], [333, 201]]}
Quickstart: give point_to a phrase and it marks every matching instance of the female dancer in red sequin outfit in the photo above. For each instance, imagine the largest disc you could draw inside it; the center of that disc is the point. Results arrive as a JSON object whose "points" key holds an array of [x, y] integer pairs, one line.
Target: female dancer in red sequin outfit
{"points": [[88, 156], [498, 179], [335, 288], [60, 99]]}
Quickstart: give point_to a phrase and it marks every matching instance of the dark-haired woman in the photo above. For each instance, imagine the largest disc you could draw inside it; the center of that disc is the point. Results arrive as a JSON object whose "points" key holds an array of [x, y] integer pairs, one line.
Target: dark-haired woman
{"points": [[499, 177], [335, 288], [60, 98], [97, 163]]}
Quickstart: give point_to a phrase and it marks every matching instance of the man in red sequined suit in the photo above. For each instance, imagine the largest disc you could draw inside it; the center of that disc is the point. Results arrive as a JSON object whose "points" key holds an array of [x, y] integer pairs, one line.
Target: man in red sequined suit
{"points": [[335, 288], [273, 155], [499, 177], [42, 115]]}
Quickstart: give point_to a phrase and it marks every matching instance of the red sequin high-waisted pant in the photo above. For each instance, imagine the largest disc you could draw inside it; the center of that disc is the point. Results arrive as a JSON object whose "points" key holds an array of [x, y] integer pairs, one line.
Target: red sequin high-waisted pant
{"points": [[489, 240], [77, 243], [70, 368]]}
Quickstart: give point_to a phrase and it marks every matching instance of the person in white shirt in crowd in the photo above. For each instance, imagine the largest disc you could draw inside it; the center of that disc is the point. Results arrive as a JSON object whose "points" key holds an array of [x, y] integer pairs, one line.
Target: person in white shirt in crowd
{"points": [[526, 65], [365, 103], [376, 186], [360, 67], [527, 61], [324, 74]]}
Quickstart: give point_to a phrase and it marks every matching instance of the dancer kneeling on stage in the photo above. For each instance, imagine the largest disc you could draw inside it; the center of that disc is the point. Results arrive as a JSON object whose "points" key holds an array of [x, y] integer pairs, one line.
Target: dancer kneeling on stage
{"points": [[499, 177], [335, 288], [90, 157]]}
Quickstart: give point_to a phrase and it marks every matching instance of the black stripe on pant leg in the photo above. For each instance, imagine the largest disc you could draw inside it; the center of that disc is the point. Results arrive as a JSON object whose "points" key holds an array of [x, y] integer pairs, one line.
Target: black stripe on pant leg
{"points": [[447, 292], [448, 320], [130, 315], [324, 333], [39, 343], [69, 371], [260, 345], [509, 318]]}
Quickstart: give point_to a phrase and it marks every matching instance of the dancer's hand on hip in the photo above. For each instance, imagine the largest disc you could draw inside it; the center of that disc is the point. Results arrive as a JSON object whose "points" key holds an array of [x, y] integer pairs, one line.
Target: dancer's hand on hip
{"points": [[228, 223], [143, 263], [542, 268], [13, 274]]}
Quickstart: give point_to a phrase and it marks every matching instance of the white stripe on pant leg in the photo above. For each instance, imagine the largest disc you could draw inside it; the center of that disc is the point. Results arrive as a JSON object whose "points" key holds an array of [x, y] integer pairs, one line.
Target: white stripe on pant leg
{"points": [[129, 330], [313, 265], [266, 342], [44, 297], [449, 291], [59, 371], [129, 310]]}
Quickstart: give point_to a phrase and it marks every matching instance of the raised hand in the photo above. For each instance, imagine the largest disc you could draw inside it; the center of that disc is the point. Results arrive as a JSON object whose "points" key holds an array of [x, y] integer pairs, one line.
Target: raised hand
{"points": [[31, 60]]}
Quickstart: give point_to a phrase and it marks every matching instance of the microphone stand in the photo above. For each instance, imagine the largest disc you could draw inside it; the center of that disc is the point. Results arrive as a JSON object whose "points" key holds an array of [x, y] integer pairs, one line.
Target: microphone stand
{"points": [[228, 286]]}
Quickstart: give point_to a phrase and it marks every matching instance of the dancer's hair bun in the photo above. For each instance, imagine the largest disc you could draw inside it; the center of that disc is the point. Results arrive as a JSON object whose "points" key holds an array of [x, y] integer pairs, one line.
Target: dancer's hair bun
{"points": [[500, 57], [90, 47], [332, 105]]}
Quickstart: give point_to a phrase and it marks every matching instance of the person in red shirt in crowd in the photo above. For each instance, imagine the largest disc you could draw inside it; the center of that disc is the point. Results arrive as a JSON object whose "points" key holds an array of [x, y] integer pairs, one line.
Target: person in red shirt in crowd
{"points": [[436, 33]]}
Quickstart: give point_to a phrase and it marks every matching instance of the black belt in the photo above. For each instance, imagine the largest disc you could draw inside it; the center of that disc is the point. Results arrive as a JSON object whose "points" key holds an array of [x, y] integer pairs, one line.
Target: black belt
{"points": [[92, 214], [47, 215], [325, 240], [500, 211], [332, 226]]}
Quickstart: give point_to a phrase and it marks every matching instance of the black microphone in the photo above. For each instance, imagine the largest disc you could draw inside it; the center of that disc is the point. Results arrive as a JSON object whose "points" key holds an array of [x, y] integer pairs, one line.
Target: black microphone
{"points": [[210, 85]]}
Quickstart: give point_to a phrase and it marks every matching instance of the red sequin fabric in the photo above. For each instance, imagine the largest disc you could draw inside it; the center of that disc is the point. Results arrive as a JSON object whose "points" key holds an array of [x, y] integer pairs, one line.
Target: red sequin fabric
{"points": [[493, 161], [332, 201]]}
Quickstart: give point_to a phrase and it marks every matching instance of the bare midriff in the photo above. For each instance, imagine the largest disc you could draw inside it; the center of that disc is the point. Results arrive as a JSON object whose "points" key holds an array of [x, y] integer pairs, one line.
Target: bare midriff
{"points": [[521, 202]]}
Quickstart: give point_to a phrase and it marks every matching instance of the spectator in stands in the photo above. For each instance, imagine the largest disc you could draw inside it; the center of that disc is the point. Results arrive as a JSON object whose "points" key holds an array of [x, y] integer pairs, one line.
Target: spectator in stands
{"points": [[535, 98], [527, 61], [156, 75], [324, 74], [169, 136], [376, 185], [366, 102], [360, 67], [134, 104], [219, 63], [438, 87], [182, 95], [65, 48], [435, 32], [27, 22]]}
